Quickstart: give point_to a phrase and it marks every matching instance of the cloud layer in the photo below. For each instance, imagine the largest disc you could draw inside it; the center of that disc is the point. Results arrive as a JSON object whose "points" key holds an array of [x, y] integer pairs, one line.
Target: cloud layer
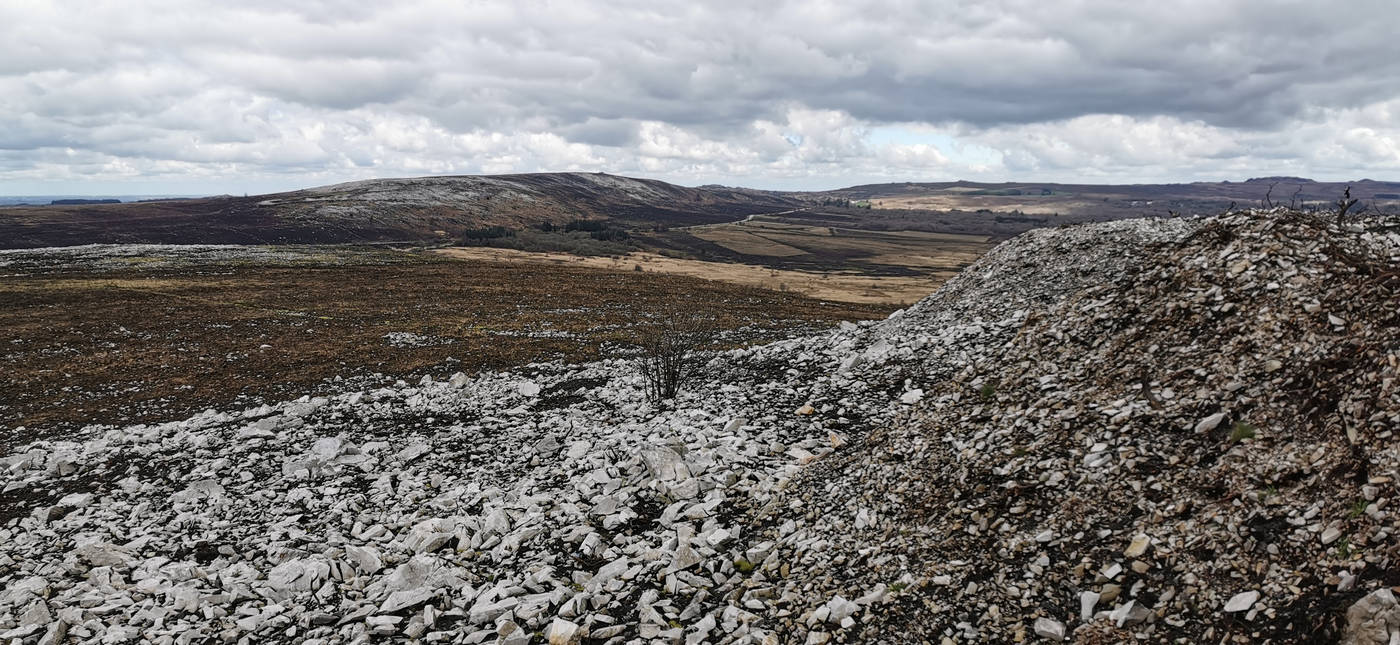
{"points": [[189, 95]]}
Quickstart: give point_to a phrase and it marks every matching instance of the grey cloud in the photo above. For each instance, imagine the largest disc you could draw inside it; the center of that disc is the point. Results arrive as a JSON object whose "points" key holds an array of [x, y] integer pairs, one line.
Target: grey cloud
{"points": [[602, 132], [330, 83], [464, 86]]}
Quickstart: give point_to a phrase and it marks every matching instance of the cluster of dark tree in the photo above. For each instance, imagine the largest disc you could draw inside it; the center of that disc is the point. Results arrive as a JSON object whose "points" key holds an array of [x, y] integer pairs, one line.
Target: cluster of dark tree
{"points": [[610, 235], [604, 240], [488, 233], [597, 229], [586, 225], [83, 202]]}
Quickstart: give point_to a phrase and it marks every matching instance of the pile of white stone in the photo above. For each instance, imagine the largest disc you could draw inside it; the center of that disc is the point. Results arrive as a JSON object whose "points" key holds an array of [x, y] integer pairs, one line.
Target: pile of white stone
{"points": [[1165, 431], [470, 510]]}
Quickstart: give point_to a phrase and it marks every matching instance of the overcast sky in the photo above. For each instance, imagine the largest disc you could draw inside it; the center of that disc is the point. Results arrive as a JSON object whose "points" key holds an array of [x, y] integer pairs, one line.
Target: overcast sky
{"points": [[187, 96]]}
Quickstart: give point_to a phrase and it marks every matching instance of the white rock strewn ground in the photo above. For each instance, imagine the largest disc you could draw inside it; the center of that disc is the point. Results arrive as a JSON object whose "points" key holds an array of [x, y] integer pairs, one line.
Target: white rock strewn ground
{"points": [[109, 257], [1016, 457]]}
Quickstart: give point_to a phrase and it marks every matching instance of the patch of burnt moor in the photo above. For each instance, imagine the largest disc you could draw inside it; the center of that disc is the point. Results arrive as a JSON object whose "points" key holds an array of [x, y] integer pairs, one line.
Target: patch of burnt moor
{"points": [[179, 341], [567, 393]]}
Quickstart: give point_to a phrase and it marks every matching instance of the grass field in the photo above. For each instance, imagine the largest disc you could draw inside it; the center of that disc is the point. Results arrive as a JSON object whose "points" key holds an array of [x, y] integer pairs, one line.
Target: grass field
{"points": [[1029, 204], [846, 286], [760, 237], [153, 341], [819, 258]]}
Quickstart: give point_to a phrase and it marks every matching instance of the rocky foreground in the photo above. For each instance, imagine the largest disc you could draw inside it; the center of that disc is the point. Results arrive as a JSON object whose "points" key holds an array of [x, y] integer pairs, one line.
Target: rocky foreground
{"points": [[1155, 430]]}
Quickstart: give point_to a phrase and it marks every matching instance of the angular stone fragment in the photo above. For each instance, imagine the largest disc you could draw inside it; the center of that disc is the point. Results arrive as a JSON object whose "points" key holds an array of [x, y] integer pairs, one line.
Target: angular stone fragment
{"points": [[1241, 601], [1087, 601], [1209, 423], [1050, 628], [55, 634], [684, 558], [1129, 614], [203, 489], [839, 608], [101, 554], [608, 572], [365, 558], [1137, 547], [412, 452], [1373, 620], [400, 600], [37, 614], [664, 464], [563, 632], [297, 575]]}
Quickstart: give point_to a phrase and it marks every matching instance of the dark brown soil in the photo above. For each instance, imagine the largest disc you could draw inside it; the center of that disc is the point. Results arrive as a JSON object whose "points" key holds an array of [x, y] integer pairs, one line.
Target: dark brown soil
{"points": [[149, 345]]}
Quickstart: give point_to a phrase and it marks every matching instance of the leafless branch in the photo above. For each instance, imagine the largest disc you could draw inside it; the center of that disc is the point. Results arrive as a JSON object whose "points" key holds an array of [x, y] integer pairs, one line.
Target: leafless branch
{"points": [[1344, 204]]}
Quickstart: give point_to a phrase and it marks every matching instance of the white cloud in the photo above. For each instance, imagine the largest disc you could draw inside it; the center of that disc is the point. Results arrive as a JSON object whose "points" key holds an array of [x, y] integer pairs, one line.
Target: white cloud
{"points": [[264, 94]]}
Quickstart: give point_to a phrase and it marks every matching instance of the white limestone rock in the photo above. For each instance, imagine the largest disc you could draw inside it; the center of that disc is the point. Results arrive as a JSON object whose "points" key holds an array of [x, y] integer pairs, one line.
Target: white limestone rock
{"points": [[1049, 628], [1241, 601]]}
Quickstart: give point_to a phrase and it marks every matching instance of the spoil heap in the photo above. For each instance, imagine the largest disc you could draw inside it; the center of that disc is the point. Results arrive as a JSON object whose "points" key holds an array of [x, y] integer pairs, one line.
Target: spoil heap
{"points": [[1198, 446], [1142, 429]]}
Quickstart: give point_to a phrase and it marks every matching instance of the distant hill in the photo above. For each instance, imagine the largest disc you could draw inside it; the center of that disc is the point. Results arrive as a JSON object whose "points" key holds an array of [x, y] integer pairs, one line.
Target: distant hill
{"points": [[1096, 201], [436, 209], [82, 202], [386, 210]]}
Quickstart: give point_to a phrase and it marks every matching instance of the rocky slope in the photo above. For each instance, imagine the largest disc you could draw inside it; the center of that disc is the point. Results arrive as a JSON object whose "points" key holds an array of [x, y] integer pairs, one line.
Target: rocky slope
{"points": [[1150, 430], [387, 210], [524, 200], [1187, 440]]}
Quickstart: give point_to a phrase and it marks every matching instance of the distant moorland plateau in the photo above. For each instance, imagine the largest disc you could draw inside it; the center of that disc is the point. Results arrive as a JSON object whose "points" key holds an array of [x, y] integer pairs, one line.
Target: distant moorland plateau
{"points": [[442, 209]]}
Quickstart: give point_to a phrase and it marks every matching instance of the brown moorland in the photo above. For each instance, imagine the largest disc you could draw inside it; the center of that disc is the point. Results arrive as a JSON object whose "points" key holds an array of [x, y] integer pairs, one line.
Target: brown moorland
{"points": [[147, 344]]}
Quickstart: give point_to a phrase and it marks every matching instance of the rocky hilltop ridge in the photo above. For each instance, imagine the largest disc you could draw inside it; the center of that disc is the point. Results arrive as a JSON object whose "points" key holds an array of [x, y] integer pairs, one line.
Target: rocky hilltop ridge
{"points": [[531, 197], [1144, 430], [419, 209]]}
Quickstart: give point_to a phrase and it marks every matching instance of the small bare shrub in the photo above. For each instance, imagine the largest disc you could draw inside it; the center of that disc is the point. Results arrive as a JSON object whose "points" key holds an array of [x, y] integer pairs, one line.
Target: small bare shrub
{"points": [[670, 353], [1344, 204]]}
